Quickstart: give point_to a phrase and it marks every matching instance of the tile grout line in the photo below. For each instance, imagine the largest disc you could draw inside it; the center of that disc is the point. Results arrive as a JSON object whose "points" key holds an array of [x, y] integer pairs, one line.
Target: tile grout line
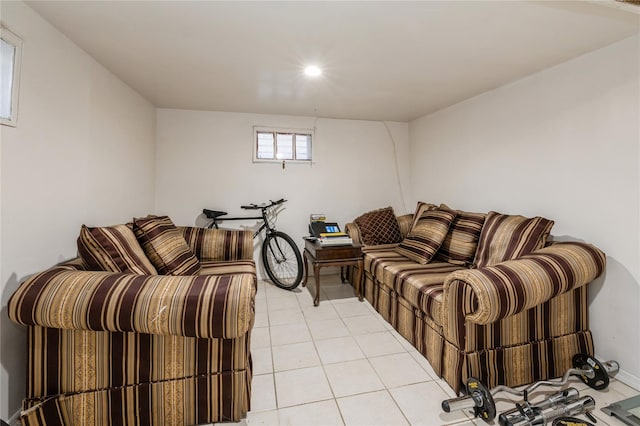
{"points": [[322, 364], [273, 367], [333, 397], [314, 341], [367, 358]]}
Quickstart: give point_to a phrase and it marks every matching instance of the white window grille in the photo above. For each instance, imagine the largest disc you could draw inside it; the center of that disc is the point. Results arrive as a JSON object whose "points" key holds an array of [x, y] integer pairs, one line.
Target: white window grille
{"points": [[278, 144]]}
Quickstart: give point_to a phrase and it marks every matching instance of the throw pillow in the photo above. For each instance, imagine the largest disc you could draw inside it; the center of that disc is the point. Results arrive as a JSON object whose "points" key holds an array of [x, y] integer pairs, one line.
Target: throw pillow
{"points": [[506, 237], [379, 227], [421, 207], [459, 246], [113, 249], [427, 235], [166, 247]]}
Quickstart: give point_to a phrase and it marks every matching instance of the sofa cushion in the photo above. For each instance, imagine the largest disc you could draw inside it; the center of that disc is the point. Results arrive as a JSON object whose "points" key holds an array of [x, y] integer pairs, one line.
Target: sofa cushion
{"points": [[218, 244], [420, 285], [113, 249], [379, 227], [427, 235], [165, 246], [377, 259], [227, 267], [506, 237], [459, 246]]}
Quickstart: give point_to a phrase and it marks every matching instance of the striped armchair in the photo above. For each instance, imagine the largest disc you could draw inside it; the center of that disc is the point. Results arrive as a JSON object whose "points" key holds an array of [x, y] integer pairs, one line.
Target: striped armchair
{"points": [[514, 314], [109, 348]]}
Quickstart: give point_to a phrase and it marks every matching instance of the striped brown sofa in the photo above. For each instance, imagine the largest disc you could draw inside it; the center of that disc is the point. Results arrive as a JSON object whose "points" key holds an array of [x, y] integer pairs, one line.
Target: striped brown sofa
{"points": [[107, 348], [508, 322]]}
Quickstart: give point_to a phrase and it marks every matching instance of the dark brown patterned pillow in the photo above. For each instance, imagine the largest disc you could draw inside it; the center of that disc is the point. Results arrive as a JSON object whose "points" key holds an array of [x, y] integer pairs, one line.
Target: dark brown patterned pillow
{"points": [[506, 237], [427, 235], [459, 247], [113, 249], [379, 227], [165, 245]]}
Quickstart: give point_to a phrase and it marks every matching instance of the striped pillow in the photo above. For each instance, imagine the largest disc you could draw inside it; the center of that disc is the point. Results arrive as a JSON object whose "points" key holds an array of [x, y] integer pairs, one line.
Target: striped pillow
{"points": [[506, 237], [421, 207], [459, 247], [166, 247], [427, 235], [113, 249]]}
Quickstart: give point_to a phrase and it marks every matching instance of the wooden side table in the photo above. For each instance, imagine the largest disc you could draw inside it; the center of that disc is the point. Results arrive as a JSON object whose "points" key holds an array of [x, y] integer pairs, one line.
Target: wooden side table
{"points": [[331, 256]]}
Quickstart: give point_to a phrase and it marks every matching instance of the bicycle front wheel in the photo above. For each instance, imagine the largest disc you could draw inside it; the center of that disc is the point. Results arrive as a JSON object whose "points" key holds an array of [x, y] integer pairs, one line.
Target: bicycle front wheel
{"points": [[282, 260]]}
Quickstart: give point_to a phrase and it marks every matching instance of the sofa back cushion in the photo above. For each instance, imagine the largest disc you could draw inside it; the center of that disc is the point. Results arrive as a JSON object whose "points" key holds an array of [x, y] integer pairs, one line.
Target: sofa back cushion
{"points": [[379, 227], [459, 246], [427, 235], [113, 249], [506, 237], [165, 246]]}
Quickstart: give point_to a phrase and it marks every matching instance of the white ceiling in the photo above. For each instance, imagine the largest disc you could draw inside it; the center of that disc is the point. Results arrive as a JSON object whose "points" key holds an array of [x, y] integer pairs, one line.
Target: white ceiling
{"points": [[382, 60]]}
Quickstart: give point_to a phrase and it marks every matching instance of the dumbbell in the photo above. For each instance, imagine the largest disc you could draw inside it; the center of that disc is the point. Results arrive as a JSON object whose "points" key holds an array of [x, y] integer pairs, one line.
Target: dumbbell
{"points": [[478, 397], [592, 372], [574, 408], [527, 411], [484, 406]]}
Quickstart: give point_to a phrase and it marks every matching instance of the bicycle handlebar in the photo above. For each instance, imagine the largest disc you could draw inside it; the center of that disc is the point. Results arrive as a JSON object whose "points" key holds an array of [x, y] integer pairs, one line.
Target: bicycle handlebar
{"points": [[263, 206]]}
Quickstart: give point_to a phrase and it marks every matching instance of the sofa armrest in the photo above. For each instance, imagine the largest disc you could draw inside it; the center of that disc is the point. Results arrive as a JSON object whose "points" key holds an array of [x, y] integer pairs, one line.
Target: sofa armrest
{"points": [[219, 244], [194, 306], [487, 295], [353, 230]]}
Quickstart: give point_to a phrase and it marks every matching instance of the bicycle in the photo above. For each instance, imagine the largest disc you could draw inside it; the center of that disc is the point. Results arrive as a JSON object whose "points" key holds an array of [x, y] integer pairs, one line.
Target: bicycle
{"points": [[280, 254]]}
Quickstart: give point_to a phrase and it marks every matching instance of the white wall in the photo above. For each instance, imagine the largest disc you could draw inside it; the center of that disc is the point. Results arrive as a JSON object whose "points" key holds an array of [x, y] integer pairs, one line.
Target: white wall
{"points": [[83, 152], [204, 159], [562, 143]]}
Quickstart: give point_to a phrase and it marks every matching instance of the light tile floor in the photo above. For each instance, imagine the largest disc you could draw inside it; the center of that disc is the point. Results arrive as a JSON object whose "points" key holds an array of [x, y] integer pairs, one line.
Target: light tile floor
{"points": [[341, 364]]}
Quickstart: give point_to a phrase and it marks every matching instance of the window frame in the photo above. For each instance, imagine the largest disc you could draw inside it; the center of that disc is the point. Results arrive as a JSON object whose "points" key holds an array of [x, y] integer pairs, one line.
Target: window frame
{"points": [[282, 130], [14, 40]]}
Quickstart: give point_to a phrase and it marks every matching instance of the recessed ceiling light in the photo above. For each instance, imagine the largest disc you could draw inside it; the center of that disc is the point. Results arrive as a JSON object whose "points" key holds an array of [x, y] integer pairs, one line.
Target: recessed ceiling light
{"points": [[313, 71]]}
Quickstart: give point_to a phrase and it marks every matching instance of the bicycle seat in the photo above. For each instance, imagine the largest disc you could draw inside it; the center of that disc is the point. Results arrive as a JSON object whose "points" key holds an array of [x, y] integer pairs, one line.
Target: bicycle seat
{"points": [[212, 214]]}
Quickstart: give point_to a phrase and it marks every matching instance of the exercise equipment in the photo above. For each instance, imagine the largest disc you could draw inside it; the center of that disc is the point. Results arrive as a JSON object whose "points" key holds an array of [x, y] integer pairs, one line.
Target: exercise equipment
{"points": [[574, 408], [627, 410], [570, 421], [526, 411], [593, 373], [598, 378], [478, 397]]}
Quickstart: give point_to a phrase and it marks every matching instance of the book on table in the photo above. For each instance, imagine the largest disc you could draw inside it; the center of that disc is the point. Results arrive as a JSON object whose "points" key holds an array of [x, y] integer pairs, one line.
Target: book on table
{"points": [[335, 239]]}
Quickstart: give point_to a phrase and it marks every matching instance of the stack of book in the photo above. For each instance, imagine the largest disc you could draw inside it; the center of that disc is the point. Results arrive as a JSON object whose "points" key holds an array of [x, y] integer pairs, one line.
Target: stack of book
{"points": [[335, 239]]}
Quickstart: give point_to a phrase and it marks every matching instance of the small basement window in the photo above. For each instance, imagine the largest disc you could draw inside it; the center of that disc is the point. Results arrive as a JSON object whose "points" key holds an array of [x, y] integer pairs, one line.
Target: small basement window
{"points": [[10, 54], [277, 145]]}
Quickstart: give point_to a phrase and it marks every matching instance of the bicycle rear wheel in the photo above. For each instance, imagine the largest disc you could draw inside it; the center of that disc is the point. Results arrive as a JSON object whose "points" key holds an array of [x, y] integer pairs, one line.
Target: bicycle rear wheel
{"points": [[282, 260]]}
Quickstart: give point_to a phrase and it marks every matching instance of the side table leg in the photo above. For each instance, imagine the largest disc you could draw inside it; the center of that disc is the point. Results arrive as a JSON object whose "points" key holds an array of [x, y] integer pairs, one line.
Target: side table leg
{"points": [[306, 269], [344, 273], [316, 271], [359, 283]]}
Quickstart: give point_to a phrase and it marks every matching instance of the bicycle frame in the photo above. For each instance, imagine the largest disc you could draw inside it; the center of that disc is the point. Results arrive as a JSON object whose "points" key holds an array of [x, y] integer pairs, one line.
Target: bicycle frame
{"points": [[214, 224], [263, 217], [279, 252]]}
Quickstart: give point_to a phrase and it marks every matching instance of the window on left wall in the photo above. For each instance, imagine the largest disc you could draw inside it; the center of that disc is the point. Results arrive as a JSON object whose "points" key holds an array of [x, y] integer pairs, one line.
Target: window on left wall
{"points": [[10, 58]]}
